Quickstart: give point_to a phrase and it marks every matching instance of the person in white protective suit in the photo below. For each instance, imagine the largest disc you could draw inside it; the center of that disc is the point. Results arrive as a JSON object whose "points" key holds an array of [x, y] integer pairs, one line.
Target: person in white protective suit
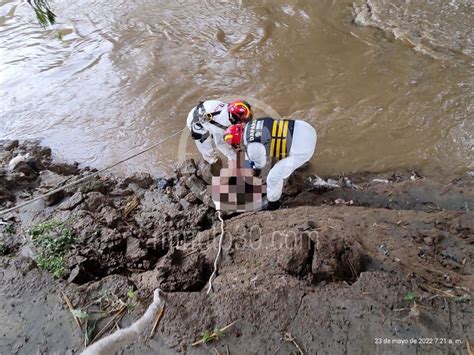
{"points": [[208, 121], [290, 143]]}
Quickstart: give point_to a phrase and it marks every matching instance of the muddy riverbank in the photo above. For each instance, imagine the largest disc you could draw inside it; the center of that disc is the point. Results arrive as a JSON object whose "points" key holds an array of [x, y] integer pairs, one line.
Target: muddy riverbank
{"points": [[337, 269]]}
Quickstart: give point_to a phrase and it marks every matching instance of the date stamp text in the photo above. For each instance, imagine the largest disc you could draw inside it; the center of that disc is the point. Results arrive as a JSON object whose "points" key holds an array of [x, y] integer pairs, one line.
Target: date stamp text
{"points": [[412, 341]]}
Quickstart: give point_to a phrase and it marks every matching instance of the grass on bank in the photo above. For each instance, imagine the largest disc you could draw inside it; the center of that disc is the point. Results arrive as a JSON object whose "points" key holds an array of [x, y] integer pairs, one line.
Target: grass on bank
{"points": [[52, 240]]}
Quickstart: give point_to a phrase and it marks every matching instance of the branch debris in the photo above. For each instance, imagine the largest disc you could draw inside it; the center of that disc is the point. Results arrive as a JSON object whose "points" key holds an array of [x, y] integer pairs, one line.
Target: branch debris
{"points": [[213, 335], [44, 14]]}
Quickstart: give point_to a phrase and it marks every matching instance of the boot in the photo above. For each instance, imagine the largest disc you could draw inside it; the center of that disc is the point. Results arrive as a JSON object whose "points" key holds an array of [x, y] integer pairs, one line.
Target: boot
{"points": [[273, 205], [270, 205]]}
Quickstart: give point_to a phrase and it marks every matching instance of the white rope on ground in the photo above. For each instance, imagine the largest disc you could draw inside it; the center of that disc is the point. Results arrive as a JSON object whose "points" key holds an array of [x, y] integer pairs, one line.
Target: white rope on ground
{"points": [[114, 342], [221, 238], [26, 203]]}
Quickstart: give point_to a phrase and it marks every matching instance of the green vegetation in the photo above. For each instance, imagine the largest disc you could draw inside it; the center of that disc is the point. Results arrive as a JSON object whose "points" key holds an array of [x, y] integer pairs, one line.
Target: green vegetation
{"points": [[409, 297], [132, 296], [219, 333], [463, 298], [9, 229], [43, 12], [90, 329], [79, 313], [6, 229], [216, 334], [3, 249], [105, 297], [207, 336], [52, 240], [131, 293], [91, 315]]}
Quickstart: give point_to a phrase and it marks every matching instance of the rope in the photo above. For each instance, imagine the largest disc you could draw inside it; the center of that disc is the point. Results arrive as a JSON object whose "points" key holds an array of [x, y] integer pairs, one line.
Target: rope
{"points": [[115, 342], [88, 176], [218, 253]]}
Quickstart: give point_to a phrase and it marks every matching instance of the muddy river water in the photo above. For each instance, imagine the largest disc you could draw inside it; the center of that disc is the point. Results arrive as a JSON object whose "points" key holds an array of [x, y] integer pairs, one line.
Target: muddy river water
{"points": [[387, 84]]}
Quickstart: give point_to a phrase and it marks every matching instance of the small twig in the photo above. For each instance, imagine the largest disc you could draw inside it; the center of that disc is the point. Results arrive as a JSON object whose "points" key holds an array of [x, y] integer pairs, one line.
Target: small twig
{"points": [[353, 270], [227, 349], [438, 290], [90, 304], [465, 289], [434, 270], [111, 322], [288, 337], [71, 309], [409, 309], [97, 311], [191, 253], [306, 344], [216, 351], [228, 326], [159, 315], [468, 347], [421, 306], [132, 203], [119, 319], [433, 297], [85, 334], [214, 335]]}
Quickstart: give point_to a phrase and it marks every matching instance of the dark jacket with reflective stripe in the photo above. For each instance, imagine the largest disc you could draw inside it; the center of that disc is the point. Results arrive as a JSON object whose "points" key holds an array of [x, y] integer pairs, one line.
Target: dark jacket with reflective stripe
{"points": [[275, 135]]}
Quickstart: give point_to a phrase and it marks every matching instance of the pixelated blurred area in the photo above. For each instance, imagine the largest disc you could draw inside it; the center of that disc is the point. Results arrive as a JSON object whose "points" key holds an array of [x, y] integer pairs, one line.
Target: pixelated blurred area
{"points": [[237, 189]]}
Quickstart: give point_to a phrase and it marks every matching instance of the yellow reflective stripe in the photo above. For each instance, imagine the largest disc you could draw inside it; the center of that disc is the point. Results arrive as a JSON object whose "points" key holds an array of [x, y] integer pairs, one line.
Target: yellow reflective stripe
{"points": [[272, 144], [285, 133], [276, 137], [274, 128], [278, 152], [285, 129], [272, 148], [280, 128]]}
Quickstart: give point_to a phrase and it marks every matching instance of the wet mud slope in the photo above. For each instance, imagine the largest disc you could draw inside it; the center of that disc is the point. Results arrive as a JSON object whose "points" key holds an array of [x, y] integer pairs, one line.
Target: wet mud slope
{"points": [[343, 266]]}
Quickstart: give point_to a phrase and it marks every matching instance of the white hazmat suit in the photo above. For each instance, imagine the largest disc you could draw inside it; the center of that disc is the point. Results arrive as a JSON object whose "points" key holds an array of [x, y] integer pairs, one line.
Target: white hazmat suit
{"points": [[204, 131], [258, 150]]}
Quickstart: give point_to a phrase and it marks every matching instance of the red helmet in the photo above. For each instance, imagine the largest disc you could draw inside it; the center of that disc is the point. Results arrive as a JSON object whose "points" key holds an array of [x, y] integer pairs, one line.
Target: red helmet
{"points": [[233, 135], [239, 111]]}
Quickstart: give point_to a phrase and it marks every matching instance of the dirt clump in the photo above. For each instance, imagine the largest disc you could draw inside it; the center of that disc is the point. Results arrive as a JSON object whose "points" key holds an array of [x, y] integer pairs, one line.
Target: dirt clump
{"points": [[176, 272], [336, 259]]}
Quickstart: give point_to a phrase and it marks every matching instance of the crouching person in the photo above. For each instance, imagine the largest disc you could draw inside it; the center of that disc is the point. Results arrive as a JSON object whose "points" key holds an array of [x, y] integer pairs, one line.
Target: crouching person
{"points": [[207, 123], [288, 143]]}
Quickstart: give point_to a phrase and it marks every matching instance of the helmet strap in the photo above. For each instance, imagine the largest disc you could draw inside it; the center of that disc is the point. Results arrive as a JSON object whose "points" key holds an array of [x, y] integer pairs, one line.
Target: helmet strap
{"points": [[232, 119]]}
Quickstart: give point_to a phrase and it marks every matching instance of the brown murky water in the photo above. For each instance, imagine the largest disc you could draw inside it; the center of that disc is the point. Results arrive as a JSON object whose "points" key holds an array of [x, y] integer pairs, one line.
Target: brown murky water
{"points": [[393, 90]]}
